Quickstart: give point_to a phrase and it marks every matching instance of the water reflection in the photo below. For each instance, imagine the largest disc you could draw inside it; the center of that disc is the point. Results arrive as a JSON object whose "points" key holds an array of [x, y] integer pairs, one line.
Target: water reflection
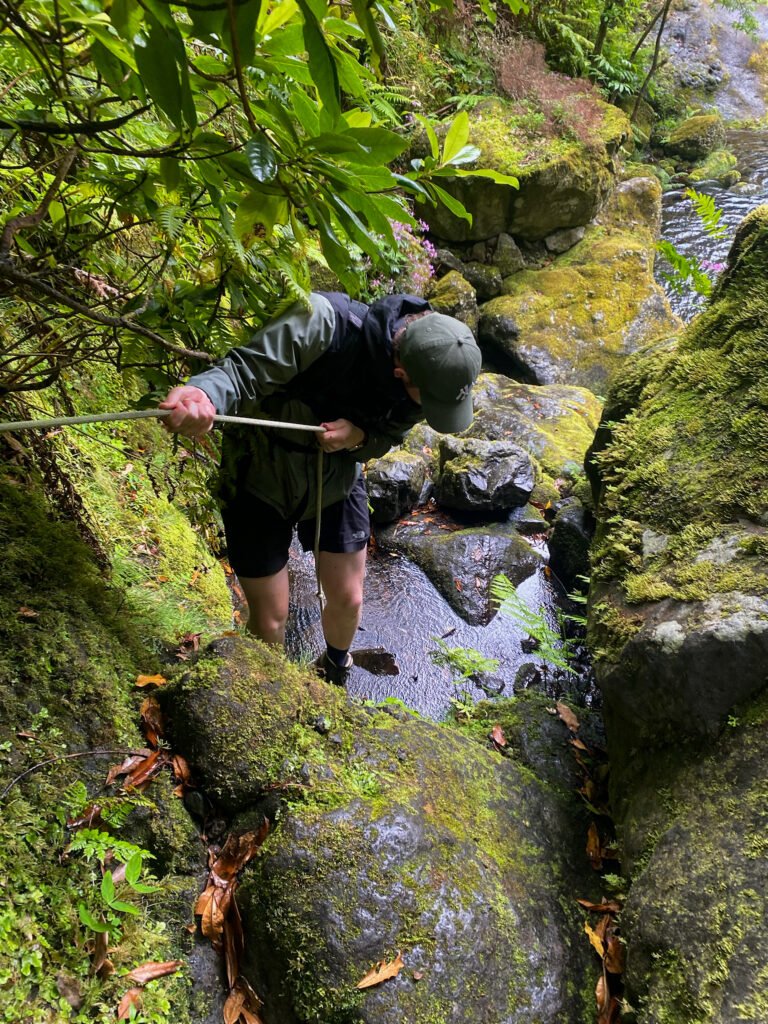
{"points": [[682, 227]]}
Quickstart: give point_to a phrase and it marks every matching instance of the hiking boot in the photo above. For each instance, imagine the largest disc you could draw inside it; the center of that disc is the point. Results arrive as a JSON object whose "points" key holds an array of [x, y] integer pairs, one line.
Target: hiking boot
{"points": [[333, 673]]}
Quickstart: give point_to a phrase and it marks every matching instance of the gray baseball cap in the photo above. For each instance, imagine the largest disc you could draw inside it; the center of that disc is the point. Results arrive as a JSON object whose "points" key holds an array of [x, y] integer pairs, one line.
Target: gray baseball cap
{"points": [[440, 355]]}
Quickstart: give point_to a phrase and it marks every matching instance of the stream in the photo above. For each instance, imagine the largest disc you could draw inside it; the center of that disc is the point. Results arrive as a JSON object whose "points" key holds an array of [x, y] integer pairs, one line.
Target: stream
{"points": [[682, 227]]}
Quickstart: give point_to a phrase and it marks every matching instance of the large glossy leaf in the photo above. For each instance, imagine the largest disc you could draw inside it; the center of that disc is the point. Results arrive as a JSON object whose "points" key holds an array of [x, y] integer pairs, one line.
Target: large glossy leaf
{"points": [[321, 62], [262, 158], [159, 74], [260, 208], [457, 137], [451, 202], [485, 172]]}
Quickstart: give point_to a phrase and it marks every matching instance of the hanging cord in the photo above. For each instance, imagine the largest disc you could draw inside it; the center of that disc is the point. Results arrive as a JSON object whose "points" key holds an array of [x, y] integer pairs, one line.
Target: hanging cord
{"points": [[318, 510], [143, 414]]}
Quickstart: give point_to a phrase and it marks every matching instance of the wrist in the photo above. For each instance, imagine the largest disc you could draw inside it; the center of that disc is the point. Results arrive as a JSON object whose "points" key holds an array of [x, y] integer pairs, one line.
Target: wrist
{"points": [[361, 443]]}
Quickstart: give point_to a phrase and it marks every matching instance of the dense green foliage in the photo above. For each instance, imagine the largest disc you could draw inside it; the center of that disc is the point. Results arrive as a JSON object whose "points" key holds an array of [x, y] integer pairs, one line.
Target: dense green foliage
{"points": [[167, 172]]}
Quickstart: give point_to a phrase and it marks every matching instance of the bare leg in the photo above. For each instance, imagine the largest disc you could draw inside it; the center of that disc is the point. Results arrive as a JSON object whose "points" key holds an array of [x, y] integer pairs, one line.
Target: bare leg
{"points": [[342, 577], [267, 598]]}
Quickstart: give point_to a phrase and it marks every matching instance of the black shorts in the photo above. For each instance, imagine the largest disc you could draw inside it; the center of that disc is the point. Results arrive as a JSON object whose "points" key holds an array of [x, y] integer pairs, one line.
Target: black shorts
{"points": [[258, 538]]}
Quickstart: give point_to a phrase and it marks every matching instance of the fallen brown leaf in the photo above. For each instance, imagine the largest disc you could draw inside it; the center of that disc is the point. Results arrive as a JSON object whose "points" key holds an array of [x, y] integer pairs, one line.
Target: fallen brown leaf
{"points": [[153, 969], [607, 907], [602, 995], [594, 938], [594, 847], [233, 1006], [26, 735], [102, 966], [150, 681], [382, 972], [152, 722], [131, 999], [181, 769], [498, 738], [576, 742], [615, 955], [567, 716], [27, 613]]}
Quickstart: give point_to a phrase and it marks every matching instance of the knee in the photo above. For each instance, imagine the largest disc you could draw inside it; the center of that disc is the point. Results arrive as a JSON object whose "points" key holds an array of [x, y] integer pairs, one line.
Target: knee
{"points": [[347, 599]]}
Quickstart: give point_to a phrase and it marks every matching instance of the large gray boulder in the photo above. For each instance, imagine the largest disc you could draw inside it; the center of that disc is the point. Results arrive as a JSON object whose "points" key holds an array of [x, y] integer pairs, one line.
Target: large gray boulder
{"points": [[396, 835], [395, 484], [483, 476], [461, 563]]}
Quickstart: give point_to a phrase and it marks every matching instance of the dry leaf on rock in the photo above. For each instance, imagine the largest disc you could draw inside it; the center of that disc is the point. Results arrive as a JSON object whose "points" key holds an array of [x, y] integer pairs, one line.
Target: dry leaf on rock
{"points": [[567, 716], [614, 955], [152, 722], [153, 969], [594, 938], [594, 847], [150, 681], [132, 998], [382, 972], [607, 907], [498, 738]]}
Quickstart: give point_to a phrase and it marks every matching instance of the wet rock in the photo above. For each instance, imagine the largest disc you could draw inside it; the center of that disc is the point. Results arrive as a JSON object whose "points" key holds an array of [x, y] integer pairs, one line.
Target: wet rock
{"points": [[564, 188], [483, 476], [569, 544], [528, 520], [561, 241], [696, 137], [462, 563], [446, 260], [576, 320], [555, 424], [453, 295], [485, 279], [464, 887], [507, 257], [395, 484]]}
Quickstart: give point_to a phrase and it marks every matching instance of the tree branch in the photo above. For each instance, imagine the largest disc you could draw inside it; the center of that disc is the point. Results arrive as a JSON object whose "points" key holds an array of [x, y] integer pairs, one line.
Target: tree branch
{"points": [[24, 281], [31, 220]]}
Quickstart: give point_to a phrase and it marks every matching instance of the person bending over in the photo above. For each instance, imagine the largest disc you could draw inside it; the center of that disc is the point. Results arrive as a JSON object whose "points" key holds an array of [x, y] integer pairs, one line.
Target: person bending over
{"points": [[367, 374]]}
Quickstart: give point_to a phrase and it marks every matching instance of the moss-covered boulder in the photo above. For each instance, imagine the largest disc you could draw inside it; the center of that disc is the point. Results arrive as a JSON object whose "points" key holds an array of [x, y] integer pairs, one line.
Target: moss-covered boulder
{"points": [[399, 835], [578, 319], [555, 424], [720, 166], [562, 186], [680, 609], [476, 475], [696, 919], [461, 563], [696, 137], [453, 295], [69, 656], [395, 484]]}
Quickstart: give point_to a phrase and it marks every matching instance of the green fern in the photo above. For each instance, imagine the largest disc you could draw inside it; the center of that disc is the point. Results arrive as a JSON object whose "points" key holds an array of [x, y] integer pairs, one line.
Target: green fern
{"points": [[170, 220], [708, 213], [685, 272], [551, 647]]}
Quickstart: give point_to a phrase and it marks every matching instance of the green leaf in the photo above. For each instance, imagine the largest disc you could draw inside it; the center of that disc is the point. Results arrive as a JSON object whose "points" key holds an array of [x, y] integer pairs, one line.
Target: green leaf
{"points": [[305, 110], [107, 887], [367, 23], [321, 62], [159, 74], [485, 172], [89, 920], [246, 16], [457, 137], [262, 158], [456, 208], [434, 145], [125, 908], [357, 118], [381, 145], [466, 155], [133, 869], [260, 208]]}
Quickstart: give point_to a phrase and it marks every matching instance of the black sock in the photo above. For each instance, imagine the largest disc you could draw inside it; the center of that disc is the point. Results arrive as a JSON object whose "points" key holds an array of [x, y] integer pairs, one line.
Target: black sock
{"points": [[337, 656]]}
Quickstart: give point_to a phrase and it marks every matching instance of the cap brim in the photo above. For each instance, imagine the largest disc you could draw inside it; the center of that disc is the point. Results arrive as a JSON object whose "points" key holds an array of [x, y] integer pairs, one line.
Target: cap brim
{"points": [[447, 417]]}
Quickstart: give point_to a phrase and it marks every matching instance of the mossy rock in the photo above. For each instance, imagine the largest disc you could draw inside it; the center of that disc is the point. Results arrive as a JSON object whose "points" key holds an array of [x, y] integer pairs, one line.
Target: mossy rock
{"points": [[395, 484], [577, 320], [454, 296], [720, 166], [562, 186], [696, 137], [696, 920], [406, 835], [479, 475], [555, 424], [680, 561], [69, 655]]}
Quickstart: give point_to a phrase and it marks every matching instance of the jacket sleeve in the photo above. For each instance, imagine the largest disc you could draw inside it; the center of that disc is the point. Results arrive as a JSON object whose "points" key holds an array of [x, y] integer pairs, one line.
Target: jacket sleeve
{"points": [[381, 440], [274, 355]]}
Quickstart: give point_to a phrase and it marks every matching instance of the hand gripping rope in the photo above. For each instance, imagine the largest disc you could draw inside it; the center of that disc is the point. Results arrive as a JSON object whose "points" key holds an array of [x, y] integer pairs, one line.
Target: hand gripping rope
{"points": [[143, 414]]}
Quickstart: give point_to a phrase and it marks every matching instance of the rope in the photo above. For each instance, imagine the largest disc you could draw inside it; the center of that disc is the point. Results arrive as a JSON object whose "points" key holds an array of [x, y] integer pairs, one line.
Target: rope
{"points": [[143, 414], [316, 549]]}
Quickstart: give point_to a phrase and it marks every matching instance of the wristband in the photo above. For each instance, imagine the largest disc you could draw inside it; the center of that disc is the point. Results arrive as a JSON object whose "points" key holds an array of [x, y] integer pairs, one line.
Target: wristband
{"points": [[362, 444]]}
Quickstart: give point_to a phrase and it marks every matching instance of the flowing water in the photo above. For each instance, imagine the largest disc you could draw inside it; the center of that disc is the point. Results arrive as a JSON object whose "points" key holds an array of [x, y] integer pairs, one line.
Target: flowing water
{"points": [[403, 613], [682, 227]]}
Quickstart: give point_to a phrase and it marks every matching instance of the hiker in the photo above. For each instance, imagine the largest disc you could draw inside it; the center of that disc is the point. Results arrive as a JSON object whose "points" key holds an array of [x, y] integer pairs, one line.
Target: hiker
{"points": [[367, 374]]}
